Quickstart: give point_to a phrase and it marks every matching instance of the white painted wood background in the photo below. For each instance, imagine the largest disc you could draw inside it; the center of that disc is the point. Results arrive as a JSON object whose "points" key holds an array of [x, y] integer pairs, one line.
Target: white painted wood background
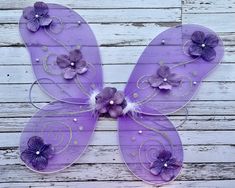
{"points": [[123, 29]]}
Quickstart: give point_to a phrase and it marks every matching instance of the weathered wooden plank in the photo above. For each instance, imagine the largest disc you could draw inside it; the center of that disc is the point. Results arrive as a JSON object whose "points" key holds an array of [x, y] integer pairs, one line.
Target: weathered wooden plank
{"points": [[205, 108], [207, 91], [124, 184], [201, 122], [110, 172], [110, 138], [24, 74], [114, 34], [111, 16], [110, 55], [94, 4], [213, 21], [208, 6], [111, 154]]}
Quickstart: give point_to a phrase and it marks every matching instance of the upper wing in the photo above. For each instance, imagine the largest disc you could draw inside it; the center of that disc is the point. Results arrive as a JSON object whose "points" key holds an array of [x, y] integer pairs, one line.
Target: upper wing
{"points": [[63, 49], [172, 67], [56, 136]]}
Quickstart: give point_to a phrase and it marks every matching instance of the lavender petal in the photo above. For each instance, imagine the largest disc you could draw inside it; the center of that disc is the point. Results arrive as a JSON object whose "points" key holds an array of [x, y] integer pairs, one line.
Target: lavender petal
{"points": [[211, 40], [115, 111], [63, 61], [35, 143], [39, 162], [174, 80], [165, 86], [163, 71], [75, 55], [29, 13], [69, 73], [164, 155], [208, 54], [119, 97], [195, 50], [198, 37], [155, 81], [33, 25], [45, 20], [47, 151], [41, 8]]}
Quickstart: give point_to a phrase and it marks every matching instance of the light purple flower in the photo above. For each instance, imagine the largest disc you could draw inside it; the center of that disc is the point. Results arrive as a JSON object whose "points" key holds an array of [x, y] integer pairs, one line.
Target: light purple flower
{"points": [[72, 64], [110, 101], [37, 154], [164, 79], [164, 165], [37, 16], [203, 45]]}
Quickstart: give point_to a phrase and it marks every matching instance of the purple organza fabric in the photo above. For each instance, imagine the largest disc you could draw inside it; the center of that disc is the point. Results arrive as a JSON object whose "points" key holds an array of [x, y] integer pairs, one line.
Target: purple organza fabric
{"points": [[174, 53], [67, 65], [65, 128], [68, 31]]}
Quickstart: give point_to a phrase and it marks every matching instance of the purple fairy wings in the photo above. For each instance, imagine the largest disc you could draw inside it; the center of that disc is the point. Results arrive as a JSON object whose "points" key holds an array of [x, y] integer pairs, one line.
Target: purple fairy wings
{"points": [[67, 65]]}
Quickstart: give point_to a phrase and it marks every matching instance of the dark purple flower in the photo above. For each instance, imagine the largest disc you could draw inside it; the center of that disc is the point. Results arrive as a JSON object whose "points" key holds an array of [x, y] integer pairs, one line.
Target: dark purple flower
{"points": [[203, 45], [37, 16], [72, 64], [110, 101], [164, 79], [164, 165], [37, 154]]}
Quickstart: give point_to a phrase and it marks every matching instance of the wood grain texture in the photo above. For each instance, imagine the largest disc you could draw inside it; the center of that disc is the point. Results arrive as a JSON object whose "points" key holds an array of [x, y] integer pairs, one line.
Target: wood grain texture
{"points": [[123, 29]]}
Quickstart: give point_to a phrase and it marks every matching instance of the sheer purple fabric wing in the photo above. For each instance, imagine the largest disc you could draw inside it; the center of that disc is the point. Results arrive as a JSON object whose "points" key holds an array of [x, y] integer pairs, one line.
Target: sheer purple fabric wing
{"points": [[151, 148], [64, 52], [172, 67], [56, 136]]}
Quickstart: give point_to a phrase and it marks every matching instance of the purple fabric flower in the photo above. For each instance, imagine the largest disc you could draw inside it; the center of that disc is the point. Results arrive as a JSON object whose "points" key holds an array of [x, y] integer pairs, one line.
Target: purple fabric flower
{"points": [[37, 16], [164, 165], [37, 154], [72, 64], [164, 79], [203, 45], [110, 101]]}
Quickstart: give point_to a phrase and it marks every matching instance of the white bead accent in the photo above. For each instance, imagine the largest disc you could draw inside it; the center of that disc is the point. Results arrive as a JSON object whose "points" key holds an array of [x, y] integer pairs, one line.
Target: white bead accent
{"points": [[163, 41], [72, 64], [203, 45], [165, 79], [75, 120], [111, 102], [140, 132], [37, 152], [37, 60], [165, 165], [194, 83], [36, 15], [79, 22]]}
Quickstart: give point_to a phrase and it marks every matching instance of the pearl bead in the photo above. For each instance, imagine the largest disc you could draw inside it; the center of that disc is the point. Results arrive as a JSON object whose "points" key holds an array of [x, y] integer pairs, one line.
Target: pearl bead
{"points": [[165, 79], [37, 60], [72, 64], [165, 165], [36, 15], [194, 83], [79, 22], [203, 45], [75, 120], [37, 152], [111, 102], [140, 132], [163, 41]]}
